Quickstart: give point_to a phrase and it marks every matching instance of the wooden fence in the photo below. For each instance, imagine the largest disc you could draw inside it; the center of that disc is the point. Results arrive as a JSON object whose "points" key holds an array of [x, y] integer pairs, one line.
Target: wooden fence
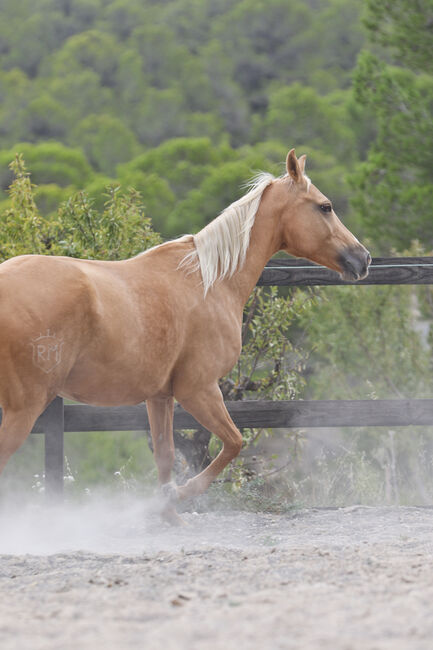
{"points": [[59, 418]]}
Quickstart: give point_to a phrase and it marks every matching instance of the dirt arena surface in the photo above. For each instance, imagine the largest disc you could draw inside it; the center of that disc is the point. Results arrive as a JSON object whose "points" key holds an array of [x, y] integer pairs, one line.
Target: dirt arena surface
{"points": [[116, 578]]}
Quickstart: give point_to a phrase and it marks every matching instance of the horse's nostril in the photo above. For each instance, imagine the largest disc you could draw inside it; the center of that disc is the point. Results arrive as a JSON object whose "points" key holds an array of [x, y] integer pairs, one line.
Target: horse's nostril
{"points": [[354, 263]]}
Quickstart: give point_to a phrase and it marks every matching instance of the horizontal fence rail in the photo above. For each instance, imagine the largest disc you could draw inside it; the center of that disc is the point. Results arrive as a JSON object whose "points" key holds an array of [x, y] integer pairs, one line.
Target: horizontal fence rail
{"points": [[383, 270], [59, 418], [255, 414]]}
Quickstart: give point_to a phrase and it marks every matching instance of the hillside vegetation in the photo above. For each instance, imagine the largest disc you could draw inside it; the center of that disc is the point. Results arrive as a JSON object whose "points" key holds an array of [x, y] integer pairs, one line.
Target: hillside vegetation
{"points": [[182, 99]]}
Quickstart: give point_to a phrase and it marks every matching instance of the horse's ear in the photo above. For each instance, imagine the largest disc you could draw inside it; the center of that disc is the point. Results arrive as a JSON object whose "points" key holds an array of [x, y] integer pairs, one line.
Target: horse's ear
{"points": [[292, 165], [301, 161]]}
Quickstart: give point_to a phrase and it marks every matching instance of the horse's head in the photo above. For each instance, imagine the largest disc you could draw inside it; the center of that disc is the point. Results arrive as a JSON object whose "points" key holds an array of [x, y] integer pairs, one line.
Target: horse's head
{"points": [[311, 229]]}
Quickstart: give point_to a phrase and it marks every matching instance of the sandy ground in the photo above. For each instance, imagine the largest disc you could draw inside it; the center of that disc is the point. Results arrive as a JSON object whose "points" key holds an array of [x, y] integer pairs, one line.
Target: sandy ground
{"points": [[115, 578]]}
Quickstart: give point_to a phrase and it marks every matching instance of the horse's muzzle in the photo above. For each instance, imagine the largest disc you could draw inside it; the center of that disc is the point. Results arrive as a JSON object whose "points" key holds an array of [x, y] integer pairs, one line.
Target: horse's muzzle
{"points": [[354, 263]]}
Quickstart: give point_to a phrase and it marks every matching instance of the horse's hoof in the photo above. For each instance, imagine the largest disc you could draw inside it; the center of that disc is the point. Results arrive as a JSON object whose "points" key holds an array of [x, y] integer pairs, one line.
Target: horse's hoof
{"points": [[170, 515], [169, 492]]}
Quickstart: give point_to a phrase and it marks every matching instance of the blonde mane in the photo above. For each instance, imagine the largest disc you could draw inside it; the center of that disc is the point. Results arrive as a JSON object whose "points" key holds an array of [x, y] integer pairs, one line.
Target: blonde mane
{"points": [[221, 247]]}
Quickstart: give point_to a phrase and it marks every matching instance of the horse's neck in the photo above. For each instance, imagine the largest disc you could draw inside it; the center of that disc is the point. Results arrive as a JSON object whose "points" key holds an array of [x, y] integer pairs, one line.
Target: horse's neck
{"points": [[265, 241]]}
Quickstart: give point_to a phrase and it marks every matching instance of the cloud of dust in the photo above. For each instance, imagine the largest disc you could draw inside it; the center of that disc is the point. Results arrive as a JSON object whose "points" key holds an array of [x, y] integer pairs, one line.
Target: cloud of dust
{"points": [[101, 524], [338, 467]]}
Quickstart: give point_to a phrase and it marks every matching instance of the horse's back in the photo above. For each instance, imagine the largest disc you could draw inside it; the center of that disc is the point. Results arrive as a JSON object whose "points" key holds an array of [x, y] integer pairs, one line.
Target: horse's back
{"points": [[38, 291], [135, 294]]}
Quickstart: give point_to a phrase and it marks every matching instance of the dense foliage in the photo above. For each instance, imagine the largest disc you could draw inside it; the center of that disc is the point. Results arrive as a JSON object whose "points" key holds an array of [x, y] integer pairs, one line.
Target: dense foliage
{"points": [[394, 186], [182, 99]]}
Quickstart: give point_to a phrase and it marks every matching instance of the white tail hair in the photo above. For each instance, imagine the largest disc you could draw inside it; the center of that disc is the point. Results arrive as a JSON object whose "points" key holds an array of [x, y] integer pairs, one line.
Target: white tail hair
{"points": [[221, 247]]}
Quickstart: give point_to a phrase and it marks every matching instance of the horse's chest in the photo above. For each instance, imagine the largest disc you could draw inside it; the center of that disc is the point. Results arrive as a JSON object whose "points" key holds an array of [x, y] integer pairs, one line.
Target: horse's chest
{"points": [[215, 344]]}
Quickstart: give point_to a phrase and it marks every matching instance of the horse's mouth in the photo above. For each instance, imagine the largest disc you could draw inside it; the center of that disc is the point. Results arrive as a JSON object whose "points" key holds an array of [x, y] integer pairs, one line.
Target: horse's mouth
{"points": [[354, 265], [352, 276], [349, 276]]}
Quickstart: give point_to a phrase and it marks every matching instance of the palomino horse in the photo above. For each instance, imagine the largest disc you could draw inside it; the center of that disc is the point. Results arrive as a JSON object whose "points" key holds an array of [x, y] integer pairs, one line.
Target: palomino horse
{"points": [[163, 325]]}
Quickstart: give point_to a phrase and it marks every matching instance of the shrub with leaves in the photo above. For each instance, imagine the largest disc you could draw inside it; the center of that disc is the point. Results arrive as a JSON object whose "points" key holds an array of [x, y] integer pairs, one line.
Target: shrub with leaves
{"points": [[271, 365], [121, 230], [22, 229]]}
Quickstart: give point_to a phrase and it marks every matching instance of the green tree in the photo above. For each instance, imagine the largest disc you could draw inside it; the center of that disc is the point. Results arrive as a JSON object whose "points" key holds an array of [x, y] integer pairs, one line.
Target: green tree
{"points": [[51, 162], [264, 41], [123, 17], [330, 60], [161, 116], [32, 41], [92, 50], [81, 94], [156, 195], [106, 141], [183, 162], [394, 188], [299, 115], [404, 27], [48, 197], [230, 102], [44, 119]]}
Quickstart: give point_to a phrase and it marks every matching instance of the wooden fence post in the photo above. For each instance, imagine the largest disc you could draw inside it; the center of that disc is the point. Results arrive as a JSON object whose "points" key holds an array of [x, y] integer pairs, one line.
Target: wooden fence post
{"points": [[54, 443]]}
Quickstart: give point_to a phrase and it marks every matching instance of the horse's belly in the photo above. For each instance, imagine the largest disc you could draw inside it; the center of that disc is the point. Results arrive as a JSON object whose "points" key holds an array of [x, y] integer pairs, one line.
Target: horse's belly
{"points": [[117, 379], [110, 392], [103, 395]]}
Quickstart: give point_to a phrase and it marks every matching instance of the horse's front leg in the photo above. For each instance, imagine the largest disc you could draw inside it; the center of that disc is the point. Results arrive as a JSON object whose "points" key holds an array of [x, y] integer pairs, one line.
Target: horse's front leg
{"points": [[208, 408], [160, 411]]}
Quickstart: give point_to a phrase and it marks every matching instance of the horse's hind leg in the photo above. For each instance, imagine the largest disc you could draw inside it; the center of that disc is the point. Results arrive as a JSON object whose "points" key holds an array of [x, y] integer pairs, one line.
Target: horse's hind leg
{"points": [[15, 427], [209, 409], [160, 411]]}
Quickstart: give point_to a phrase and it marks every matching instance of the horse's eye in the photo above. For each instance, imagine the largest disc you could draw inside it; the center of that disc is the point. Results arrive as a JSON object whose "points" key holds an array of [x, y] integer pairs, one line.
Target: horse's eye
{"points": [[325, 207]]}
